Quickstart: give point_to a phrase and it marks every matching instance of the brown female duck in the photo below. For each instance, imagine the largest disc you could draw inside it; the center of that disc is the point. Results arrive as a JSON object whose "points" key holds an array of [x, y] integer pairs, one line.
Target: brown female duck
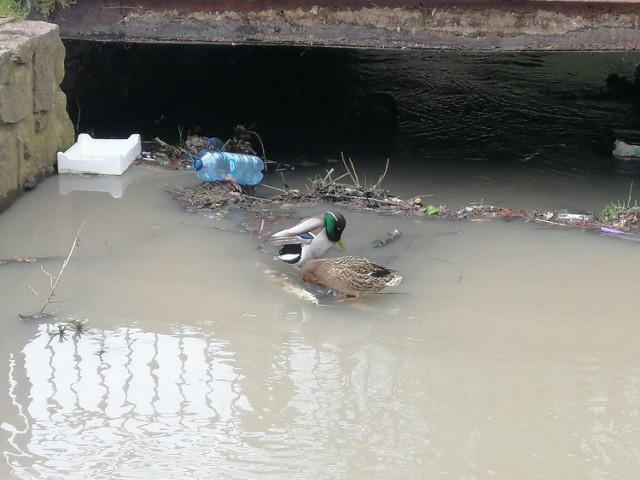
{"points": [[352, 276]]}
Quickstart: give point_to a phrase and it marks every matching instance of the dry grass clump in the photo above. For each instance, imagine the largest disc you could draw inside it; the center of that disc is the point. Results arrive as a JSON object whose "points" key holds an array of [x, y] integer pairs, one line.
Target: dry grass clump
{"points": [[216, 196]]}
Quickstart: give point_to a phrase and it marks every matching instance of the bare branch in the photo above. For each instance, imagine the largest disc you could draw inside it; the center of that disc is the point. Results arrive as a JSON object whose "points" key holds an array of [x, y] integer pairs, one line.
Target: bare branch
{"points": [[355, 173], [354, 179], [384, 174], [273, 188], [64, 265], [327, 177], [264, 154]]}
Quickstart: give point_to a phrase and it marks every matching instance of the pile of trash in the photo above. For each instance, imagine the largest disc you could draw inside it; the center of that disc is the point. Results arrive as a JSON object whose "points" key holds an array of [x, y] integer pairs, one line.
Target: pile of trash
{"points": [[223, 189], [216, 197], [621, 220], [183, 154], [356, 194]]}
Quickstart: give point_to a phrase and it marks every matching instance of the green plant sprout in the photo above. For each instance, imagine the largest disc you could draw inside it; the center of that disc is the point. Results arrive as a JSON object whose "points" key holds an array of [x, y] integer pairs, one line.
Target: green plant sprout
{"points": [[612, 211]]}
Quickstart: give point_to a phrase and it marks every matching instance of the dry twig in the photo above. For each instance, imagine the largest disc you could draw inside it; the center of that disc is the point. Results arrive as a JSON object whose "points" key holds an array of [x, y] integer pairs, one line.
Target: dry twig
{"points": [[274, 188], [264, 154], [384, 174], [351, 171], [391, 236], [55, 280]]}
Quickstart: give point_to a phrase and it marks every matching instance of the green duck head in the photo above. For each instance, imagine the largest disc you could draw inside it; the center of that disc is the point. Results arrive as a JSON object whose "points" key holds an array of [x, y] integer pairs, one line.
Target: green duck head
{"points": [[334, 224]]}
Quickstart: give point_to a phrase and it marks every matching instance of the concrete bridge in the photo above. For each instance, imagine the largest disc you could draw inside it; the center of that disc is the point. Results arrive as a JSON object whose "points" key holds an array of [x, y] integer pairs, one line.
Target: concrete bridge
{"points": [[465, 25]]}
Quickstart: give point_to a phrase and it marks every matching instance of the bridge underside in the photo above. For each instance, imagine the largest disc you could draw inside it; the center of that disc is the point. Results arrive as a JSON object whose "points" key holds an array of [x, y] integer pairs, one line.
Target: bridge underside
{"points": [[467, 25]]}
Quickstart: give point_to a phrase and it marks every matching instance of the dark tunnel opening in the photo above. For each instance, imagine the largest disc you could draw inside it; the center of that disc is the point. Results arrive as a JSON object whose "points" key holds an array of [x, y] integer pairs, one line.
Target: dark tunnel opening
{"points": [[530, 107], [300, 101]]}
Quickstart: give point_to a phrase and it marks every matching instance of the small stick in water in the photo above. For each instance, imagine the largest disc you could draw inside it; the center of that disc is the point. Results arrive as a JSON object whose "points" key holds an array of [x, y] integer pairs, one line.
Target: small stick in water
{"points": [[55, 280], [391, 236]]}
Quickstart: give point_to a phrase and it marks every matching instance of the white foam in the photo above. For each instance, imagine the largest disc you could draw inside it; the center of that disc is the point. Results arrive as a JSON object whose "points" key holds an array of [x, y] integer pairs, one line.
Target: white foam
{"points": [[101, 156]]}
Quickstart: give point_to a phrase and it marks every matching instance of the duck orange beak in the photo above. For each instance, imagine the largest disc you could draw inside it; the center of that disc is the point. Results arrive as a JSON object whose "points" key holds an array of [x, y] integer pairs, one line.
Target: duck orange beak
{"points": [[342, 245]]}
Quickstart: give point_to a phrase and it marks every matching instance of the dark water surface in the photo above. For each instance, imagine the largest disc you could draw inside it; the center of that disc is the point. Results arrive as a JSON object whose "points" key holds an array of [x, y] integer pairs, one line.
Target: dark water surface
{"points": [[546, 109]]}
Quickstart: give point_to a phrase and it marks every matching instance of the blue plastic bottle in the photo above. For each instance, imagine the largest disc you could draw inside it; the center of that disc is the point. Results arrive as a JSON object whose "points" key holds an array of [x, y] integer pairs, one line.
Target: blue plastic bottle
{"points": [[244, 169], [215, 142]]}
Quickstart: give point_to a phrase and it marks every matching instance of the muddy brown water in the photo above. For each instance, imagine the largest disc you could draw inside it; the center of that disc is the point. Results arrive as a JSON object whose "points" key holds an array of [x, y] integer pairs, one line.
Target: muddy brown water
{"points": [[509, 350]]}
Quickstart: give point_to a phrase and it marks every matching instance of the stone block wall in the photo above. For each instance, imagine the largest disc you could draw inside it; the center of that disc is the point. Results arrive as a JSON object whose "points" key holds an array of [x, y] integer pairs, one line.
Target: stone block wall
{"points": [[34, 124]]}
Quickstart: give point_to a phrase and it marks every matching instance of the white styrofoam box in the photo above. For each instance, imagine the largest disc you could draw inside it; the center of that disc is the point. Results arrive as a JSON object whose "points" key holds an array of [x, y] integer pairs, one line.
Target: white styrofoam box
{"points": [[103, 156]]}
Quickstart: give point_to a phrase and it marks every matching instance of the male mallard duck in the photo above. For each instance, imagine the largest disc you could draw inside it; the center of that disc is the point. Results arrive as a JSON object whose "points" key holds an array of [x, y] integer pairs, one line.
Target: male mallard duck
{"points": [[349, 275], [312, 238]]}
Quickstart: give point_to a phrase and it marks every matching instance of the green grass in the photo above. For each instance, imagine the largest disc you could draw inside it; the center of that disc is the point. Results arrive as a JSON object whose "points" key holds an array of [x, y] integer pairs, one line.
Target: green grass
{"points": [[612, 211], [13, 8], [45, 7], [21, 9]]}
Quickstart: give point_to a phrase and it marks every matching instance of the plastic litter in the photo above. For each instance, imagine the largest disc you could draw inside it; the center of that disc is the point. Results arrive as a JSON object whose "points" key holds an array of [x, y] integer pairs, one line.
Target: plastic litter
{"points": [[623, 149], [101, 156], [244, 169], [626, 157], [215, 142], [620, 234], [574, 217]]}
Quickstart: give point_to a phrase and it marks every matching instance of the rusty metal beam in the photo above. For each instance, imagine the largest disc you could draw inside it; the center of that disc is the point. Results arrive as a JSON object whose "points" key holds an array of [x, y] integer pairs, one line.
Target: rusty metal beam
{"points": [[473, 25]]}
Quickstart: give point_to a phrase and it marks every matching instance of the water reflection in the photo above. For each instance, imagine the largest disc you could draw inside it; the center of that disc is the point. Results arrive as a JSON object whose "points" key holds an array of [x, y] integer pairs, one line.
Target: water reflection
{"points": [[110, 404], [130, 403], [114, 185], [105, 399]]}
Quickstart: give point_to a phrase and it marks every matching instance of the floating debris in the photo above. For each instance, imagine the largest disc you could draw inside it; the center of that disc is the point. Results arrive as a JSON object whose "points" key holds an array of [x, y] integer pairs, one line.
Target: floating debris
{"points": [[391, 236], [216, 196], [290, 286], [18, 260], [330, 188], [635, 236], [368, 197]]}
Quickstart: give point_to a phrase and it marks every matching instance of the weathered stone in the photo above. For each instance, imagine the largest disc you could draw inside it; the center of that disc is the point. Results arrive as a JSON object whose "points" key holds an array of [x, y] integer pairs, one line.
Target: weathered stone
{"points": [[34, 123], [41, 120], [64, 132], [8, 164], [15, 86], [47, 60]]}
